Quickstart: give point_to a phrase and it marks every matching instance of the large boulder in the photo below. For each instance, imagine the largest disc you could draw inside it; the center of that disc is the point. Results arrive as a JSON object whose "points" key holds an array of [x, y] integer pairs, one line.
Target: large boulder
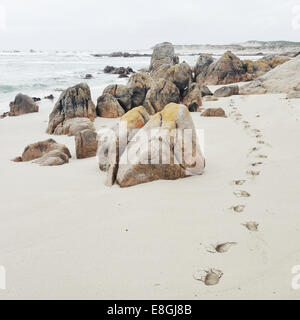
{"points": [[71, 127], [86, 144], [227, 91], [180, 75], [122, 93], [171, 156], [109, 107], [22, 105], [139, 83], [203, 62], [256, 68], [193, 98], [163, 53], [113, 142], [75, 102], [228, 69], [282, 79], [48, 152], [162, 93]]}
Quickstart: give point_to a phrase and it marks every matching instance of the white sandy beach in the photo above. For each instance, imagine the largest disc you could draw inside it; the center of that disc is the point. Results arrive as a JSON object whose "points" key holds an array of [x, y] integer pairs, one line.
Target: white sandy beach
{"points": [[65, 235]]}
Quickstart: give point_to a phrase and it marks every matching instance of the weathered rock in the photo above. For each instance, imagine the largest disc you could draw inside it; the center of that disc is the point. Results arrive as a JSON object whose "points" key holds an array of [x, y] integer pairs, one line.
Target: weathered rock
{"points": [[227, 91], [205, 91], [49, 152], [275, 60], [137, 167], [256, 68], [122, 93], [203, 62], [163, 53], [22, 105], [72, 126], [228, 69], [110, 148], [88, 76], [193, 98], [122, 71], [109, 107], [86, 144], [50, 97], [140, 83], [162, 93], [36, 99], [180, 75], [254, 87], [53, 158], [282, 79], [74, 102], [214, 112]]}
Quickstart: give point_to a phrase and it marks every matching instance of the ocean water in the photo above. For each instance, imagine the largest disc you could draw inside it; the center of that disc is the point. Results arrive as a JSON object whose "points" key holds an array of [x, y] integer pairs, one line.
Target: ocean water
{"points": [[44, 73]]}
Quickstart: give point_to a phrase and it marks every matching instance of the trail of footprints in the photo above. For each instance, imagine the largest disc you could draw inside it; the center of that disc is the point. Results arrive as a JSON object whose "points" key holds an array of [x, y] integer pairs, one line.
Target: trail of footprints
{"points": [[212, 277]]}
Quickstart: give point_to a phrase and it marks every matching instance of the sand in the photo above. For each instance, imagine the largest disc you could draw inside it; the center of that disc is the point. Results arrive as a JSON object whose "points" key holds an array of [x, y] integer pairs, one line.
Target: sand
{"points": [[65, 235]]}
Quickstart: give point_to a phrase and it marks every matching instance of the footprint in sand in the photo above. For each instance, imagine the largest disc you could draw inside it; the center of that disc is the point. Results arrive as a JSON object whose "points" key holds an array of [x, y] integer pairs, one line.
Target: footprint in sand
{"points": [[256, 164], [254, 149], [256, 131], [238, 209], [223, 247], [251, 226], [253, 173], [262, 156], [242, 194], [211, 277], [239, 182]]}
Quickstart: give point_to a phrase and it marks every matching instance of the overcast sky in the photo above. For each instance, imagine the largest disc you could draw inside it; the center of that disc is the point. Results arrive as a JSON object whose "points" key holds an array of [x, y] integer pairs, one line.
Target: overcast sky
{"points": [[129, 24]]}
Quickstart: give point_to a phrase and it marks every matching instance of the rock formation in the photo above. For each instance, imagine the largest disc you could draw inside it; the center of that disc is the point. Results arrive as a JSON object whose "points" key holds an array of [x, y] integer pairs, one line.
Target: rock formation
{"points": [[160, 94], [109, 107], [193, 98], [283, 79], [72, 126], [122, 93], [168, 161], [200, 70], [48, 153], [214, 112], [86, 144], [227, 91], [22, 105], [74, 102], [163, 53], [228, 69]]}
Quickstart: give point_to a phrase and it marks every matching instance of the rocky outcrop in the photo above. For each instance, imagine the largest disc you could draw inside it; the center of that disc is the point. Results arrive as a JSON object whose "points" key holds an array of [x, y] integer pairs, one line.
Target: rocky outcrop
{"points": [[203, 62], [22, 105], [163, 53], [71, 127], [282, 79], [214, 112], [193, 98], [161, 93], [109, 107], [121, 71], [227, 91], [47, 152], [228, 69], [122, 93], [140, 84], [86, 144], [74, 102], [256, 68], [168, 161]]}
